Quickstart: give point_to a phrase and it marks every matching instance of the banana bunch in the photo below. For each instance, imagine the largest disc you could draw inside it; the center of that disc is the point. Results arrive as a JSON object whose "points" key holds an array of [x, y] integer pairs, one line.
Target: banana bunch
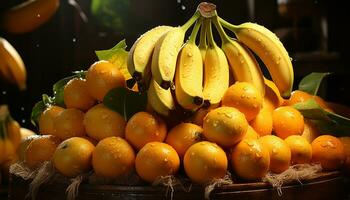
{"points": [[12, 68], [160, 60]]}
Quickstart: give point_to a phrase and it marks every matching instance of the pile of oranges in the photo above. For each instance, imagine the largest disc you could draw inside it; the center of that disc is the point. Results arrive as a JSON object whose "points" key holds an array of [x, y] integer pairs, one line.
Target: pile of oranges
{"points": [[249, 135]]}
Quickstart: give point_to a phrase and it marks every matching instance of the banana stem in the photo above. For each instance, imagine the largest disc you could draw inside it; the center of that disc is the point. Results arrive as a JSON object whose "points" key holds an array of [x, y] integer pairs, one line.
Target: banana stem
{"points": [[211, 41], [224, 37], [228, 25], [189, 23], [195, 30], [203, 35]]}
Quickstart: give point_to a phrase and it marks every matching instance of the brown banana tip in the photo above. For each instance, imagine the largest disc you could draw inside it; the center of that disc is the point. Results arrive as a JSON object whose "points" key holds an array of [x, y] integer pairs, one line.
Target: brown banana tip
{"points": [[206, 103], [198, 100], [137, 76], [206, 9], [165, 84]]}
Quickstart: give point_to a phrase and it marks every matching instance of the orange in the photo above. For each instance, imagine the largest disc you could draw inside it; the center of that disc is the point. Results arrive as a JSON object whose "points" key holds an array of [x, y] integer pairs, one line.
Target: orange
{"points": [[287, 121], [113, 157], [310, 130], [156, 159], [21, 150], [199, 115], [76, 95], [26, 133], [250, 159], [280, 154], [69, 123], [262, 123], [101, 122], [7, 149], [205, 161], [245, 97], [184, 135], [73, 156], [298, 96], [14, 132], [251, 134], [143, 128], [47, 119], [40, 150], [346, 144], [272, 98], [225, 126], [101, 77], [300, 148], [328, 151]]}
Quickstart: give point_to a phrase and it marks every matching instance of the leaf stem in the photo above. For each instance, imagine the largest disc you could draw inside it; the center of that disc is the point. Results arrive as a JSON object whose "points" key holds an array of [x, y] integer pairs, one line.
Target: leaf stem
{"points": [[228, 25], [195, 30], [189, 23], [224, 37]]}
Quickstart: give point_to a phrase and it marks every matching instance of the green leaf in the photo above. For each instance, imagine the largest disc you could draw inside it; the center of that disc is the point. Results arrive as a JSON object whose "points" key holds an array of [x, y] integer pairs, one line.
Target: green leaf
{"points": [[58, 87], [38, 108], [326, 121], [312, 82], [126, 102], [118, 56]]}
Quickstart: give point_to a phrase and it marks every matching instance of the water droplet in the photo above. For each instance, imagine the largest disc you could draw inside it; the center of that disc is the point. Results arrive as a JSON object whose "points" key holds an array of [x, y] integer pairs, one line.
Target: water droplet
{"points": [[4, 92], [291, 59], [74, 39], [22, 108], [178, 1], [189, 55], [258, 155], [38, 15], [23, 121], [215, 123], [228, 115], [245, 88], [243, 96], [165, 160], [193, 154], [183, 7], [104, 116], [37, 45], [274, 151]]}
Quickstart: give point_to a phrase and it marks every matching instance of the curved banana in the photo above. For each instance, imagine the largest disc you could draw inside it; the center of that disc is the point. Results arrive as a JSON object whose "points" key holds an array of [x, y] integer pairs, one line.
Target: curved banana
{"points": [[140, 55], [189, 74], [244, 66], [29, 15], [271, 51], [166, 51], [11, 65], [216, 73], [160, 99]]}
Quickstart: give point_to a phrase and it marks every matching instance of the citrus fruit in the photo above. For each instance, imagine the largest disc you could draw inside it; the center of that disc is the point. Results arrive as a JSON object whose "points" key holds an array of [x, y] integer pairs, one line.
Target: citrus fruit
{"points": [[184, 135], [156, 159], [22, 148], [101, 122], [262, 123], [205, 161], [69, 123], [298, 96], [310, 130], [328, 151], [40, 150], [113, 157], [7, 149], [76, 95], [280, 154], [346, 144], [73, 156], [14, 132], [47, 119], [250, 159], [225, 126], [199, 115], [251, 134], [245, 97], [101, 77], [143, 128], [26, 133], [300, 148], [287, 121]]}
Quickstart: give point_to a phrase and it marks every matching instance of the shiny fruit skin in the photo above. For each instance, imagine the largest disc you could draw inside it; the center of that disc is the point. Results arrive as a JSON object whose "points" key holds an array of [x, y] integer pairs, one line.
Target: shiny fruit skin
{"points": [[287, 121], [47, 118], [69, 123], [300, 148], [262, 123], [76, 95]]}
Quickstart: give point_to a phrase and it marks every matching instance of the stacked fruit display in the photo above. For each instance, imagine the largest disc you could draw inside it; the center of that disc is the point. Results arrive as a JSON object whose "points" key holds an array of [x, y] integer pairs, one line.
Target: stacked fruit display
{"points": [[240, 121]]}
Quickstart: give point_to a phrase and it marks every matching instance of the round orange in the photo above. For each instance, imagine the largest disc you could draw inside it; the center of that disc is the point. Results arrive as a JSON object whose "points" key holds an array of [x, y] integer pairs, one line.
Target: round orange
{"points": [[47, 118], [262, 123], [245, 97], [225, 126], [184, 135], [287, 121], [14, 132], [280, 154], [328, 151], [298, 96], [101, 122], [73, 156], [143, 128], [251, 134], [310, 132], [250, 159], [69, 123], [101, 77], [300, 148], [22, 148], [76, 95], [205, 161], [156, 159]]}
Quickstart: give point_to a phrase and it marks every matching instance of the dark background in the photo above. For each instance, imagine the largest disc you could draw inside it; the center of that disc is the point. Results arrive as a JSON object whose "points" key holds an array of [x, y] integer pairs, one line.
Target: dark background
{"points": [[66, 43]]}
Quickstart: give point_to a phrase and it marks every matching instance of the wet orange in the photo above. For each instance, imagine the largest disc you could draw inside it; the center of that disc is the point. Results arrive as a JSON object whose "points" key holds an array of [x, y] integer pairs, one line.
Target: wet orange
{"points": [[287, 121], [69, 123], [47, 119], [76, 95]]}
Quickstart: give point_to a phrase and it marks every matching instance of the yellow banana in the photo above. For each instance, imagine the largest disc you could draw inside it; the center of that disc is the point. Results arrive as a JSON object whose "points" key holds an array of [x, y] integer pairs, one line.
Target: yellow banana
{"points": [[140, 55], [189, 74], [11, 65], [216, 72], [244, 66], [160, 99], [271, 51], [166, 51]]}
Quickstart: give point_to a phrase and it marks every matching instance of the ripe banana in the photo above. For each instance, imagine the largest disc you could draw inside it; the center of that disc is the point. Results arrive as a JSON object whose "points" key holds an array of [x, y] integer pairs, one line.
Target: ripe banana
{"points": [[271, 51], [189, 74], [244, 66], [216, 72], [12, 67], [160, 99], [140, 55], [166, 51]]}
